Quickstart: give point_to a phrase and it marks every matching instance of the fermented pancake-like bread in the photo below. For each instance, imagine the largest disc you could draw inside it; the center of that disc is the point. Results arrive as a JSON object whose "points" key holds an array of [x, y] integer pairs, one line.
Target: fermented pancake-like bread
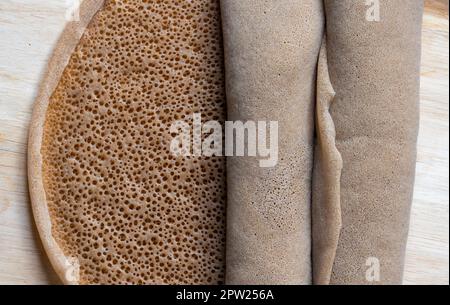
{"points": [[368, 100], [271, 51], [109, 199]]}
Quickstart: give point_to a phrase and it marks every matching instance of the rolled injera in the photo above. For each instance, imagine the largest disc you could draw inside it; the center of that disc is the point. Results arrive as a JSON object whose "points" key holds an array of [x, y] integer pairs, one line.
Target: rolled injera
{"points": [[271, 51], [367, 121]]}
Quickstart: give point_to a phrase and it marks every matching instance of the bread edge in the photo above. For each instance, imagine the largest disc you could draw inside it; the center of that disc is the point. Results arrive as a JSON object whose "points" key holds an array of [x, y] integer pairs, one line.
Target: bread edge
{"points": [[66, 268]]}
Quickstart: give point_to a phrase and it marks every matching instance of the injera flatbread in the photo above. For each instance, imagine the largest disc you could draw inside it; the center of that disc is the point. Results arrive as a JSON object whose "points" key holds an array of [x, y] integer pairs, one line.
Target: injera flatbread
{"points": [[271, 51], [111, 203], [367, 118]]}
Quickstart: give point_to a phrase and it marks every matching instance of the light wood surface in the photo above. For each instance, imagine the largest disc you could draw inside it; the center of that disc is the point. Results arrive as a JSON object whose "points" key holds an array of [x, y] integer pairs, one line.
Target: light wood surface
{"points": [[28, 32]]}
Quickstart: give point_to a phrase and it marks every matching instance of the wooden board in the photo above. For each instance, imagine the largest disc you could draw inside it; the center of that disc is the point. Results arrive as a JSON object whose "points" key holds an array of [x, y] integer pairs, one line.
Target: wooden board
{"points": [[28, 32]]}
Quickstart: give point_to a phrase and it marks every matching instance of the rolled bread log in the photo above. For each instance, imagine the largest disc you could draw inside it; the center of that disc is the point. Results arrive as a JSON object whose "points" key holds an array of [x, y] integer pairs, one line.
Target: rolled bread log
{"points": [[368, 111], [271, 51]]}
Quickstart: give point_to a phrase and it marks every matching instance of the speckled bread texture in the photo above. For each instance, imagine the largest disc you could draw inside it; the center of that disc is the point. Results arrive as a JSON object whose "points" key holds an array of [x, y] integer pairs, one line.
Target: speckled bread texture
{"points": [[112, 204], [271, 51], [372, 95], [69, 39]]}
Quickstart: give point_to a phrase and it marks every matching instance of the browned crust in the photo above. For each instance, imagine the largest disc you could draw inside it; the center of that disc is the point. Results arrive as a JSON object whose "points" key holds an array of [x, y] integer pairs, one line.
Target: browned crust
{"points": [[54, 70]]}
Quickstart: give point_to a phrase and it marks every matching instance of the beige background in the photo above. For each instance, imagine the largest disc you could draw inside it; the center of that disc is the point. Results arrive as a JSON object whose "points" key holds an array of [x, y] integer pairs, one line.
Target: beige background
{"points": [[28, 32]]}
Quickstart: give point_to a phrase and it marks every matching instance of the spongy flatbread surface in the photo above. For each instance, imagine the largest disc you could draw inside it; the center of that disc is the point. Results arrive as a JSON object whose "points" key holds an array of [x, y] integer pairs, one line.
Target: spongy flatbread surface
{"points": [[373, 70], [271, 51], [119, 202]]}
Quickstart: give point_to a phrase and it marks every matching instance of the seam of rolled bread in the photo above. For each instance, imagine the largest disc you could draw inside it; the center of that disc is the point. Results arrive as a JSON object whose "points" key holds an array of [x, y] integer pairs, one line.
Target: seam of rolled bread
{"points": [[328, 171]]}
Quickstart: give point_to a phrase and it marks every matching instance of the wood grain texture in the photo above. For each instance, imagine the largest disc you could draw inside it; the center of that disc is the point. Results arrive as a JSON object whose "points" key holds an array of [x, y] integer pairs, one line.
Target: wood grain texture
{"points": [[427, 259], [29, 30]]}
